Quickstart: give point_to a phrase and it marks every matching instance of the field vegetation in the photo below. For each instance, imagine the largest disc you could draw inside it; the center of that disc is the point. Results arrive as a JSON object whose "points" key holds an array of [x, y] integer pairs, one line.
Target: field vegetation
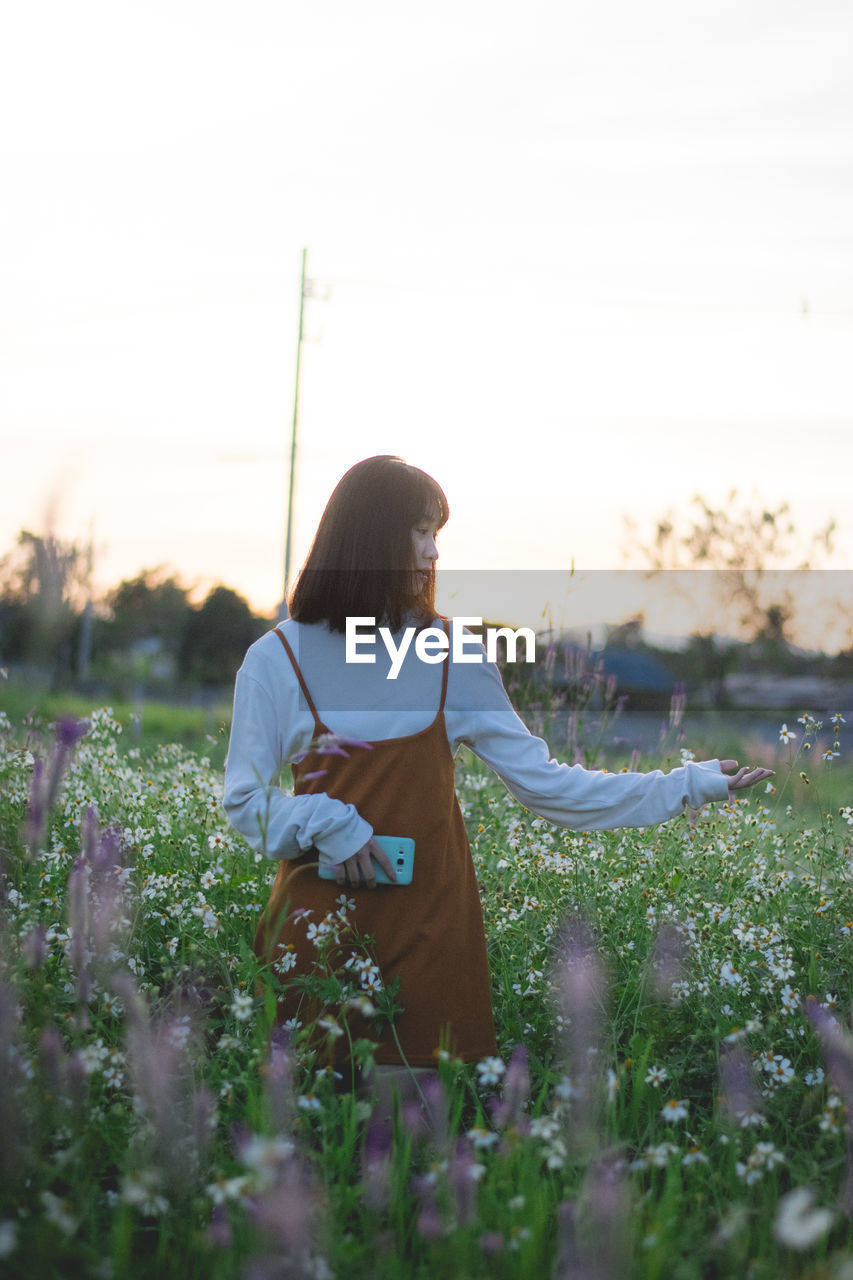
{"points": [[671, 1097]]}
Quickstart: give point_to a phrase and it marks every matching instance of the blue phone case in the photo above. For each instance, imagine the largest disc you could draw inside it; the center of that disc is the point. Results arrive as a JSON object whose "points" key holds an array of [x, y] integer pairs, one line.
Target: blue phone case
{"points": [[400, 851]]}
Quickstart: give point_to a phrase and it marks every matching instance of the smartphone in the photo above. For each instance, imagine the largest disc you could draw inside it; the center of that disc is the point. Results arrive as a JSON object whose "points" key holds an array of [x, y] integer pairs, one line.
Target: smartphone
{"points": [[401, 854]]}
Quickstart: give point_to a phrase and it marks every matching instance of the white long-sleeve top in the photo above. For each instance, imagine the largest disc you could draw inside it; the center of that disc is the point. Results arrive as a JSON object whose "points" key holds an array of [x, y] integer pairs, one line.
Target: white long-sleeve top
{"points": [[272, 723]]}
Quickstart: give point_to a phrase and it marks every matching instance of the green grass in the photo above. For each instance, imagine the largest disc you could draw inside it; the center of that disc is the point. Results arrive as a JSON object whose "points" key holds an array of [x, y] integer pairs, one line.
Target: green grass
{"points": [[148, 1128], [145, 723]]}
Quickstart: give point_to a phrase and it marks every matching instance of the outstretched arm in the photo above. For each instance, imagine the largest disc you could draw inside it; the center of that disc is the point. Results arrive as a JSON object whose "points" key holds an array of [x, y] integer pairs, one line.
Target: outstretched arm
{"points": [[481, 715]]}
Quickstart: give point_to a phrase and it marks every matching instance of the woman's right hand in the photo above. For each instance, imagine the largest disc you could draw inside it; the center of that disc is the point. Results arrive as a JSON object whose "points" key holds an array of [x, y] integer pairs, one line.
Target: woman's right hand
{"points": [[359, 870], [745, 777]]}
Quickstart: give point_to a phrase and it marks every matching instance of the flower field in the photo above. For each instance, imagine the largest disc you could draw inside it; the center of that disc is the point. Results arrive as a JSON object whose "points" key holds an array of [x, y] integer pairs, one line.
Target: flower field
{"points": [[672, 1095]]}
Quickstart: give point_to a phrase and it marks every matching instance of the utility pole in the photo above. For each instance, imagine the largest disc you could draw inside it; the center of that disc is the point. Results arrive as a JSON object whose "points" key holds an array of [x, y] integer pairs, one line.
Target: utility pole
{"points": [[282, 612]]}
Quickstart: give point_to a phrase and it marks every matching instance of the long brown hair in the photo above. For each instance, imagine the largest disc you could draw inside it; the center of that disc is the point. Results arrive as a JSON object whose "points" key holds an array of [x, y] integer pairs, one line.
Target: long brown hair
{"points": [[360, 562]]}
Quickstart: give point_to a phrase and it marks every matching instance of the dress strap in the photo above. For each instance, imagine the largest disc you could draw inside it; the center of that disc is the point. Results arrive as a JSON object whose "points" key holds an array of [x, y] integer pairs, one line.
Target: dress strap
{"points": [[299, 676], [445, 666], [304, 687]]}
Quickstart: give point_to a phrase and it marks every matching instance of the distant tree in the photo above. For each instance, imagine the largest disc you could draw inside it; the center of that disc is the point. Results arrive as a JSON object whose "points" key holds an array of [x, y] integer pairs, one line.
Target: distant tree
{"points": [[43, 583], [217, 636], [708, 661], [749, 548], [627, 635], [148, 606], [43, 567], [754, 552]]}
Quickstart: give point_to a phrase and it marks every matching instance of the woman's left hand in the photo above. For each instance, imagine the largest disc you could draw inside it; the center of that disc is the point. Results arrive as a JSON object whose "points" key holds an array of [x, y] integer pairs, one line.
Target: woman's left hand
{"points": [[745, 777], [360, 869]]}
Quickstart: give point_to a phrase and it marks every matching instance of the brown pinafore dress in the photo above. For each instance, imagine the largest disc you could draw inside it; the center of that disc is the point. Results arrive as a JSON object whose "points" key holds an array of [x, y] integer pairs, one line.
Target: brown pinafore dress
{"points": [[429, 934]]}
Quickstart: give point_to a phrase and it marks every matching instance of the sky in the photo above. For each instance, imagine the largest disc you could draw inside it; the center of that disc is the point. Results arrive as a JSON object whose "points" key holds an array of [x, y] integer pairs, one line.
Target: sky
{"points": [[577, 260]]}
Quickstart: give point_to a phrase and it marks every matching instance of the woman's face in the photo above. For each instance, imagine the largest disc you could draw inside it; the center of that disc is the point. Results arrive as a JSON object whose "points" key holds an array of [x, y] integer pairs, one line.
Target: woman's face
{"points": [[424, 550]]}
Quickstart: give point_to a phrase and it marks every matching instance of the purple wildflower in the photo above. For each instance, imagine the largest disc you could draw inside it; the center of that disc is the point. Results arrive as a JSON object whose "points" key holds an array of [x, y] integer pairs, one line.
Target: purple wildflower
{"points": [[605, 1211], [89, 833], [569, 1264], [35, 948], [436, 1112], [837, 1048], [12, 1115], [430, 1225], [351, 742], [376, 1165], [52, 1060], [219, 1232], [67, 734], [667, 963], [78, 911], [70, 731], [413, 1119], [330, 744], [78, 922], [510, 1111], [160, 1061], [740, 1093], [279, 1081], [95, 904], [285, 1214], [36, 809], [838, 1052], [464, 1170], [491, 1242], [593, 1231], [580, 987], [677, 704], [47, 779]]}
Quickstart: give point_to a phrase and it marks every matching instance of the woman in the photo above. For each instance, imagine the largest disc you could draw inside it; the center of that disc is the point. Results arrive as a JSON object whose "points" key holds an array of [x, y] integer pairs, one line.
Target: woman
{"points": [[374, 556]]}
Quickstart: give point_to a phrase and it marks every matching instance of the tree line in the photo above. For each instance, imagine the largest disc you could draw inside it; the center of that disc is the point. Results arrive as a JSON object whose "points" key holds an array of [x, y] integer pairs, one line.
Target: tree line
{"points": [[147, 629]]}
